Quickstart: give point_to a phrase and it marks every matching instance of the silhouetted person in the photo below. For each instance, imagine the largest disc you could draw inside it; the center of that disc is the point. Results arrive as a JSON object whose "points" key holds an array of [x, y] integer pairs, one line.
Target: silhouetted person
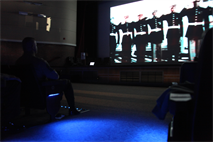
{"points": [[202, 118], [44, 71], [192, 119]]}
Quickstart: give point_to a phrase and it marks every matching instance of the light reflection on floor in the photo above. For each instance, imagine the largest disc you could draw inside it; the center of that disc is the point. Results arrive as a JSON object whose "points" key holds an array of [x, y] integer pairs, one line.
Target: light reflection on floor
{"points": [[95, 129]]}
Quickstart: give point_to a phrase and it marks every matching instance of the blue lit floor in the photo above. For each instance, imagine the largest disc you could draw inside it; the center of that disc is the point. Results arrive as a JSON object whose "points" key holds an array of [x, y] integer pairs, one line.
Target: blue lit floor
{"points": [[117, 113]]}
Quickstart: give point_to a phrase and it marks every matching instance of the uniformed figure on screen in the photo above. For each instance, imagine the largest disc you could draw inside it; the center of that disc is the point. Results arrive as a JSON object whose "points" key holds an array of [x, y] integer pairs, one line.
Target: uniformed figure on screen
{"points": [[156, 36], [113, 38], [141, 37], [173, 34], [195, 28], [126, 40]]}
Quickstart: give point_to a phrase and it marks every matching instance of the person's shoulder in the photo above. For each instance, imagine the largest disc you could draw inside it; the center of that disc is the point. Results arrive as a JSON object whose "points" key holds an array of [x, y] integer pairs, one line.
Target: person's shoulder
{"points": [[22, 60], [18, 61], [39, 60]]}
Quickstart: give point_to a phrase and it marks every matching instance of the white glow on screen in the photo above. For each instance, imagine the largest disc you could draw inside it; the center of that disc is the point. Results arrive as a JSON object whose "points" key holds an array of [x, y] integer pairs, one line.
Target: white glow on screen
{"points": [[117, 61], [186, 58], [163, 7], [146, 7]]}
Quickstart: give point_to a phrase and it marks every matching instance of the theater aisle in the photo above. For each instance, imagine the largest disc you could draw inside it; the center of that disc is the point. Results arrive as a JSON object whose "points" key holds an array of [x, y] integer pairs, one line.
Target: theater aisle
{"points": [[117, 113]]}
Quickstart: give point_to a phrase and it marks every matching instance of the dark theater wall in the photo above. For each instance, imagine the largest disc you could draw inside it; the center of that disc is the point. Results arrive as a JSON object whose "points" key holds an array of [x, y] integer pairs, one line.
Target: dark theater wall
{"points": [[54, 54], [55, 33]]}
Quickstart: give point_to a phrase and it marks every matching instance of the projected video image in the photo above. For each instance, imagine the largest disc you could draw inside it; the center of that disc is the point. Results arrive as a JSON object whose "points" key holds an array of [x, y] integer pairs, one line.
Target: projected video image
{"points": [[158, 31]]}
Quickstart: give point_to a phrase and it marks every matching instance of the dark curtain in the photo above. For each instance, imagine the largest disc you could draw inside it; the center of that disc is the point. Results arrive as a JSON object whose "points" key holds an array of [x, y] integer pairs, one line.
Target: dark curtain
{"points": [[87, 28]]}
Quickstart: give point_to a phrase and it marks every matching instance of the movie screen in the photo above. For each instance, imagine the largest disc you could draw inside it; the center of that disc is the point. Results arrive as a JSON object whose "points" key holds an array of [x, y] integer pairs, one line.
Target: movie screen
{"points": [[158, 31]]}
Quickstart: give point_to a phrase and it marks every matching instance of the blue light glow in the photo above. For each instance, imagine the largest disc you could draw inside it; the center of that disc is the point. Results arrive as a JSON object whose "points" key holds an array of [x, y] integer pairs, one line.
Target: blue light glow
{"points": [[96, 129], [51, 95]]}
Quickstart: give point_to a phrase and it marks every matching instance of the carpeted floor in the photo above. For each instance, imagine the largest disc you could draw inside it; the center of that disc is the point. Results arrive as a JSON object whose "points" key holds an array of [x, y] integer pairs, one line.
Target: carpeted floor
{"points": [[117, 113]]}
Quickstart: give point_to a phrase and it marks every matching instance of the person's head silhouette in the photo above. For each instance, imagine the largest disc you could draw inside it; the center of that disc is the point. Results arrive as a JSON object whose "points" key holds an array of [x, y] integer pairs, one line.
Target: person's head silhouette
{"points": [[29, 45]]}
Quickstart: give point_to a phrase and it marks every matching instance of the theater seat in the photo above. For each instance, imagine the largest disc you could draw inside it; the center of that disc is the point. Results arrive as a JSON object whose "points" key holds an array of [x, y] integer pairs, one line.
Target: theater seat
{"points": [[35, 94], [10, 96], [181, 102]]}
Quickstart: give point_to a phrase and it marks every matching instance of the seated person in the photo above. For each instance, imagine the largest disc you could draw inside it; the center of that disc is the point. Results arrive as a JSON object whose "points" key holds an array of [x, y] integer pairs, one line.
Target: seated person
{"points": [[187, 81], [44, 71], [186, 85]]}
